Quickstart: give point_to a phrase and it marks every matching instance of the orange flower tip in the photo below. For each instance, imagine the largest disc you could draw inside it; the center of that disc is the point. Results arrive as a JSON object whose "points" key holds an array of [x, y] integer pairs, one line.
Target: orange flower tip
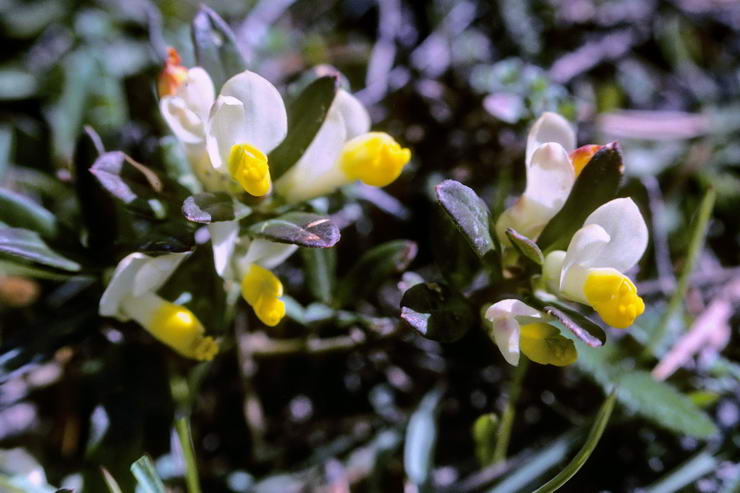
{"points": [[581, 156], [173, 74]]}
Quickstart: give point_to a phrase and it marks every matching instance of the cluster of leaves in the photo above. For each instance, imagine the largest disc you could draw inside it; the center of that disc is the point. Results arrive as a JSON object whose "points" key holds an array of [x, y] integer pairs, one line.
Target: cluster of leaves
{"points": [[340, 393]]}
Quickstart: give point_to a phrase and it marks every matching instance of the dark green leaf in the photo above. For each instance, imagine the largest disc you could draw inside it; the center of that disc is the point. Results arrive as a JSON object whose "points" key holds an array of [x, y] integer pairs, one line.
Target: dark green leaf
{"points": [[374, 268], [594, 435], [135, 186], [305, 116], [20, 212], [211, 207], [28, 245], [525, 246], [437, 312], [421, 438], [469, 213], [320, 266], [298, 228], [216, 49], [586, 330], [597, 184], [146, 475]]}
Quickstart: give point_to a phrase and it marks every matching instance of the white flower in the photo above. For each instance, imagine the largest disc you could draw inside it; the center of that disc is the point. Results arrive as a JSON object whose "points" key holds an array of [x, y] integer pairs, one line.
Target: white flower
{"points": [[343, 151], [612, 240], [550, 177], [131, 294], [517, 327]]}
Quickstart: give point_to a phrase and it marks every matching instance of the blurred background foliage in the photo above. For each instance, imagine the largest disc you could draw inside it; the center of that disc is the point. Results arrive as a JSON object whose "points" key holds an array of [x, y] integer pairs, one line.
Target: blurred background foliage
{"points": [[324, 400]]}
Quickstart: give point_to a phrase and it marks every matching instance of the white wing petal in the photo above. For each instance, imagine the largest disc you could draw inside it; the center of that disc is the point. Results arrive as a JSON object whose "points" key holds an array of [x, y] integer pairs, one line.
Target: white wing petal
{"points": [[550, 127], [225, 129], [223, 239], [356, 117], [623, 222]]}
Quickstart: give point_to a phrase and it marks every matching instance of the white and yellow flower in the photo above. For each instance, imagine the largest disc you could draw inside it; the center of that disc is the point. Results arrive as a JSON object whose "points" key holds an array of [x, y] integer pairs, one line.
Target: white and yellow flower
{"points": [[131, 295], [517, 327], [591, 271], [344, 150], [552, 166]]}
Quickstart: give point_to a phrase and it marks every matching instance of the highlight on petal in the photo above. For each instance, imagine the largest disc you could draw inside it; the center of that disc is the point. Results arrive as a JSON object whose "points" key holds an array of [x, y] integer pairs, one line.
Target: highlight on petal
{"points": [[225, 129], [355, 116], [623, 222], [198, 92], [223, 240], [182, 120], [550, 127], [375, 158], [262, 290], [180, 329], [265, 121], [614, 297]]}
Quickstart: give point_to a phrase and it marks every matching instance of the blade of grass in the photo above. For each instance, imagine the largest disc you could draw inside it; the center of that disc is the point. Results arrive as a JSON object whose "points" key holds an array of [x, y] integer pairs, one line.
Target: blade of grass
{"points": [[110, 481], [594, 435], [186, 444], [146, 476], [685, 474], [698, 235]]}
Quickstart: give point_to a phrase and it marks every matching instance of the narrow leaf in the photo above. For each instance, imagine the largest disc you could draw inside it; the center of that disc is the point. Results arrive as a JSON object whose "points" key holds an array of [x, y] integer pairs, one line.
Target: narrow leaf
{"points": [[597, 184], [28, 245], [594, 435], [583, 328], [469, 213], [686, 474], [305, 116], [146, 476], [110, 481], [437, 312], [375, 267], [186, 445], [18, 211], [298, 228], [525, 246], [320, 265], [205, 208], [136, 187], [421, 438], [216, 49]]}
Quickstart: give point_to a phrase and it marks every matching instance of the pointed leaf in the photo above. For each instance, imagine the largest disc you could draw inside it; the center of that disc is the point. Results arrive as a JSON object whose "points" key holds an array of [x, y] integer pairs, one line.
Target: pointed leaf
{"points": [[305, 116], [320, 267], [21, 212], [597, 184], [421, 438], [298, 228], [134, 187], [469, 214], [437, 312], [216, 49], [146, 476], [586, 330], [28, 245], [205, 208], [525, 246]]}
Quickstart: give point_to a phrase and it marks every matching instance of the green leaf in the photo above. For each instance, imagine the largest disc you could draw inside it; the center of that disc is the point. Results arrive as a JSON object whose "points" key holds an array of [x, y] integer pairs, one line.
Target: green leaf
{"points": [[216, 49], [374, 268], [10, 268], [110, 481], [20, 212], [306, 114], [320, 267], [597, 184], [135, 186], [469, 214], [594, 435], [421, 438], [437, 312], [206, 208], [581, 326], [146, 475], [28, 245], [186, 444], [484, 430], [686, 474], [298, 228], [6, 148], [525, 246]]}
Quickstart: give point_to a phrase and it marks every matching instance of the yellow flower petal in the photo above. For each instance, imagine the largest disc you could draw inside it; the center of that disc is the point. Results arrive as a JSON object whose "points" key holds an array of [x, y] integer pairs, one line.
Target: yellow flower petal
{"points": [[262, 289], [375, 158], [543, 344], [248, 165], [614, 296], [180, 329]]}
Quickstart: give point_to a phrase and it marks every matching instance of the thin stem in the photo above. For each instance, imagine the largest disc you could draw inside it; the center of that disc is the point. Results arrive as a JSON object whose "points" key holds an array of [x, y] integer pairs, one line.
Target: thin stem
{"points": [[507, 417], [186, 444], [696, 243]]}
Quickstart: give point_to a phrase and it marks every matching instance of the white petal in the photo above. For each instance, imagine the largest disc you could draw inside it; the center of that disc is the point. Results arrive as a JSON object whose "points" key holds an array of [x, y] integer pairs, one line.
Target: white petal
{"points": [[356, 117], [550, 127], [198, 92], [120, 286], [584, 248], [506, 337], [225, 128], [223, 239], [265, 118], [268, 254], [317, 172], [622, 220], [182, 120], [511, 308], [550, 176], [551, 270], [155, 271]]}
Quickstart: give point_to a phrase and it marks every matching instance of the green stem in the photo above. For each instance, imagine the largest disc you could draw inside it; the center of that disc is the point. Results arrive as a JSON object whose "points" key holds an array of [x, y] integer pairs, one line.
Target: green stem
{"points": [[186, 444], [507, 417], [594, 435], [696, 243]]}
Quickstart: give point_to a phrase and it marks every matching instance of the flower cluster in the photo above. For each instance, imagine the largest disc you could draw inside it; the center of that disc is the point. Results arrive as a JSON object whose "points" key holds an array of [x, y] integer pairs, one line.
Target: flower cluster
{"points": [[590, 271], [228, 138]]}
